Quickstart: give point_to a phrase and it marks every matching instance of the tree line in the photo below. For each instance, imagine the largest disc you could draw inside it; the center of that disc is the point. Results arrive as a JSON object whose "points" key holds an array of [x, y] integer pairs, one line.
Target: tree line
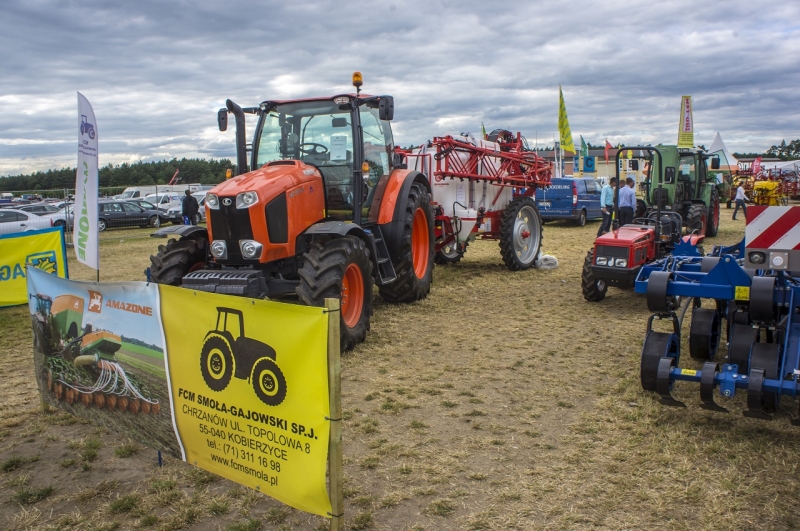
{"points": [[137, 174]]}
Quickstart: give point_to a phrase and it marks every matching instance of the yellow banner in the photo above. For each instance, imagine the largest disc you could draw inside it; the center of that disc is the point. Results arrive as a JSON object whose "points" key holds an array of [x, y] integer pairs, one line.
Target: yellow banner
{"points": [[564, 131], [44, 249], [249, 391], [686, 124]]}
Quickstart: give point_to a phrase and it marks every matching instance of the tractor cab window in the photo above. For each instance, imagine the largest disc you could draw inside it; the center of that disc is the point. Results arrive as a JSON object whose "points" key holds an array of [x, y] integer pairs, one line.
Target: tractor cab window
{"points": [[318, 133], [378, 150], [686, 169]]}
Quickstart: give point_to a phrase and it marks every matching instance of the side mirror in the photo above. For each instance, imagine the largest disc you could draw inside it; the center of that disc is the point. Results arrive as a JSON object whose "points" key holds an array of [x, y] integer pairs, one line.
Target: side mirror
{"points": [[386, 108], [715, 163], [669, 174], [222, 119]]}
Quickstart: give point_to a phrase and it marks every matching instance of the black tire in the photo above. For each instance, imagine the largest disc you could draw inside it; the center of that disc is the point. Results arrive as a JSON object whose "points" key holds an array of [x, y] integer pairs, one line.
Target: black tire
{"points": [[641, 209], [412, 285], [449, 254], [154, 221], [198, 219], [268, 382], [696, 219], [101, 225], [322, 275], [176, 259], [60, 223], [518, 252], [712, 225], [594, 290], [216, 363], [581, 221], [41, 340]]}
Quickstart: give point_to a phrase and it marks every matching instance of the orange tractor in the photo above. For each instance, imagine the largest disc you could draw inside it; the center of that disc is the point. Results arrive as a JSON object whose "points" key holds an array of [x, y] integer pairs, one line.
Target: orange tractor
{"points": [[324, 208]]}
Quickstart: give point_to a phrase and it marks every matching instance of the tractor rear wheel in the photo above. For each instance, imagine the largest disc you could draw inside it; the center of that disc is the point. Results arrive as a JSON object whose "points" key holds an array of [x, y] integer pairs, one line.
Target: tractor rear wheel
{"points": [[713, 214], [340, 268], [176, 259], [696, 219], [414, 260], [217, 362], [594, 290], [520, 234]]}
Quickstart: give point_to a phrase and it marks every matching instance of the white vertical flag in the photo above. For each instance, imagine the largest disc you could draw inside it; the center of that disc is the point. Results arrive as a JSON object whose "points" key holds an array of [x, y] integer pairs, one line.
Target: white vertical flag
{"points": [[84, 235]]}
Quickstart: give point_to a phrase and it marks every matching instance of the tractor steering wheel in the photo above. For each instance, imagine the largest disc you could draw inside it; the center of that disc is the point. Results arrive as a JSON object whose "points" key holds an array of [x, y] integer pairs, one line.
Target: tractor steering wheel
{"points": [[315, 149]]}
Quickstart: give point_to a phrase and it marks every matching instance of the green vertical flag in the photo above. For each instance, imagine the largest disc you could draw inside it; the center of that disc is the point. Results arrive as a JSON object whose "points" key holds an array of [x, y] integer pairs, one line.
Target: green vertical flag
{"points": [[483, 132], [584, 148], [563, 125]]}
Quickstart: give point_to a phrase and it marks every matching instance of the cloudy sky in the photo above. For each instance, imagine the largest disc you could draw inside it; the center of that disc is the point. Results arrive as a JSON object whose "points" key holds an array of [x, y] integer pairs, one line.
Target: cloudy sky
{"points": [[156, 71]]}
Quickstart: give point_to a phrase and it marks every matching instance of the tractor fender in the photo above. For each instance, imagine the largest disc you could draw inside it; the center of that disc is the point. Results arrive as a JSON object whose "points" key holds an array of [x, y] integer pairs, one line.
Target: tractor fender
{"points": [[182, 231], [391, 217], [341, 229]]}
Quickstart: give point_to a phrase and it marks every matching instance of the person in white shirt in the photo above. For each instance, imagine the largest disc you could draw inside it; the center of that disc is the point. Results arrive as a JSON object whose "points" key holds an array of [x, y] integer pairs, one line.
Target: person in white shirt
{"points": [[740, 201]]}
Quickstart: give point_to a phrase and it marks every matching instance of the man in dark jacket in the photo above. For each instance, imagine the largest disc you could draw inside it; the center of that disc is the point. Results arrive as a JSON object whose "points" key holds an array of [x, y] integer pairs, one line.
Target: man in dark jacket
{"points": [[189, 208]]}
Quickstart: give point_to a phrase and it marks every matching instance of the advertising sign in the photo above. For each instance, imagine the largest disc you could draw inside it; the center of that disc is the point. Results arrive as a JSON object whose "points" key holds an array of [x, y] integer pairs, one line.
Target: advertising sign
{"points": [[43, 249], [85, 230], [686, 125], [249, 387], [236, 386]]}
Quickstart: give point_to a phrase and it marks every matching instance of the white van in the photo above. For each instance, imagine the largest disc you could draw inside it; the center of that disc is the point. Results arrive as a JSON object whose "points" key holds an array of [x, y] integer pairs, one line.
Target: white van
{"points": [[164, 200], [138, 192]]}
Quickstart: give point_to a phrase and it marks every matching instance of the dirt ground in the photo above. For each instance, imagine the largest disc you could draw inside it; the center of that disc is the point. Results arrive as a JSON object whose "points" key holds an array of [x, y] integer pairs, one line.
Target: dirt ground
{"points": [[502, 401]]}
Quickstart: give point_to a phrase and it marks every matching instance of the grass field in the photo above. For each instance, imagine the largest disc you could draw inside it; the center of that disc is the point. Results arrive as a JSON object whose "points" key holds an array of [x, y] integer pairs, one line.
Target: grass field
{"points": [[502, 401]]}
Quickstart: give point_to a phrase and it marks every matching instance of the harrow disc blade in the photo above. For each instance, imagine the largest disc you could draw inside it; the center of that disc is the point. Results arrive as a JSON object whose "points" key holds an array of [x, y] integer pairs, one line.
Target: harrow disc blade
{"points": [[765, 362], [704, 333], [657, 345]]}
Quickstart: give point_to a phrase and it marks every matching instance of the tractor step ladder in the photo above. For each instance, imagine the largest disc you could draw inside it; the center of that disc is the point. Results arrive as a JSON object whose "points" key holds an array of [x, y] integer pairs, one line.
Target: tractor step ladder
{"points": [[386, 272]]}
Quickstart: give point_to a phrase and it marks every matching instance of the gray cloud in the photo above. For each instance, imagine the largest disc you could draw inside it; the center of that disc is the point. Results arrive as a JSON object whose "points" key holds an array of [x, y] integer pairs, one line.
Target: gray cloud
{"points": [[157, 71]]}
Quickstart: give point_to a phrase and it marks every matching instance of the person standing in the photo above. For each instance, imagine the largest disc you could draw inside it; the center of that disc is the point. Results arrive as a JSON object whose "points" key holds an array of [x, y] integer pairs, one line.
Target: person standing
{"points": [[189, 208], [740, 201], [627, 203], [607, 205]]}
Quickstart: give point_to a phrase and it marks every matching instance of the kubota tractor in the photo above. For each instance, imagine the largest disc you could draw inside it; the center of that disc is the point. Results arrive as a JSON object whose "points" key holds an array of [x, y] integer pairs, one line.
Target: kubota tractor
{"points": [[323, 209], [617, 257]]}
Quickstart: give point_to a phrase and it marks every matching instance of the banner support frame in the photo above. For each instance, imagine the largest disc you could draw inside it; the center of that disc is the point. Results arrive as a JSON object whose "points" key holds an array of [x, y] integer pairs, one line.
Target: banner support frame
{"points": [[335, 466]]}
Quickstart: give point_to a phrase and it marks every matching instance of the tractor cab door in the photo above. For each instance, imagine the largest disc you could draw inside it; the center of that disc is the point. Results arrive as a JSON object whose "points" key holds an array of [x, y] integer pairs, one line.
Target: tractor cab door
{"points": [[378, 152]]}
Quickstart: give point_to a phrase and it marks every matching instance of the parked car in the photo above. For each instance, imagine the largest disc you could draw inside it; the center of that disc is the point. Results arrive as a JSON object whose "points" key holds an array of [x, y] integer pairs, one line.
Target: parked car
{"points": [[164, 201], [12, 220], [575, 198], [174, 212], [61, 217], [147, 205], [39, 208], [124, 214]]}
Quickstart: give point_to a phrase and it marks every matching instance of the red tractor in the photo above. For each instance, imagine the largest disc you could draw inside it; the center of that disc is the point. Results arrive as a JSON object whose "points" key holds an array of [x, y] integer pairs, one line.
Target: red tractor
{"points": [[617, 257], [323, 209]]}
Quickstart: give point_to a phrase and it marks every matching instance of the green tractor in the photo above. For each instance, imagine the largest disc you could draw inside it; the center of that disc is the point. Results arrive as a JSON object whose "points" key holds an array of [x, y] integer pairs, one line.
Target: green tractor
{"points": [[688, 188]]}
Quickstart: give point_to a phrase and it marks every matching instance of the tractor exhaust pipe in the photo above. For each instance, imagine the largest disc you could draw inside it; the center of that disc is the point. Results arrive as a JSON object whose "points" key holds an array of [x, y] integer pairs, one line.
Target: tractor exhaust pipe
{"points": [[241, 148]]}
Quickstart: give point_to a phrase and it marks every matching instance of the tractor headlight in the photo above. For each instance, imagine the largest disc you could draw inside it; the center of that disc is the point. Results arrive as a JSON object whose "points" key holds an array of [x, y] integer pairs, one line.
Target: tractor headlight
{"points": [[621, 262], [212, 201], [250, 248], [246, 199], [219, 249], [601, 260]]}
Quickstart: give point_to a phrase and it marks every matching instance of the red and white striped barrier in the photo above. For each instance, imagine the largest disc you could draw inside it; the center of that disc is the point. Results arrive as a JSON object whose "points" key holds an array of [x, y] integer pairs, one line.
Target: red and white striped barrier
{"points": [[772, 237]]}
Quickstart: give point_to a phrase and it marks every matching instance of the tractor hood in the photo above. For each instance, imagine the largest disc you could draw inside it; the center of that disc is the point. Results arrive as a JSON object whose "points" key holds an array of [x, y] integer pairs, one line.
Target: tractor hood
{"points": [[269, 181]]}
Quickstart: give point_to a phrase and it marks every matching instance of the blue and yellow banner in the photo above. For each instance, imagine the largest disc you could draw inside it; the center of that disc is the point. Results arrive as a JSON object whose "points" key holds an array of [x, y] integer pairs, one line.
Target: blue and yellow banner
{"points": [[44, 249], [233, 385]]}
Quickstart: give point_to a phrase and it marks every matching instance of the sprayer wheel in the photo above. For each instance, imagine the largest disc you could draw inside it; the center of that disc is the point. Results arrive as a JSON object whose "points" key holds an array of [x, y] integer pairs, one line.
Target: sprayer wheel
{"points": [[520, 234]]}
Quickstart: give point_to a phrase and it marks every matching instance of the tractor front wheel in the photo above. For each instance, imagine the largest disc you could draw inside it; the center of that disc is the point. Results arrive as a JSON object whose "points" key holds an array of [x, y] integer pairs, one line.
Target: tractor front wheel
{"points": [[176, 259], [216, 363], [520, 234], [713, 214], [340, 268], [594, 290], [414, 257], [696, 219], [268, 382]]}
